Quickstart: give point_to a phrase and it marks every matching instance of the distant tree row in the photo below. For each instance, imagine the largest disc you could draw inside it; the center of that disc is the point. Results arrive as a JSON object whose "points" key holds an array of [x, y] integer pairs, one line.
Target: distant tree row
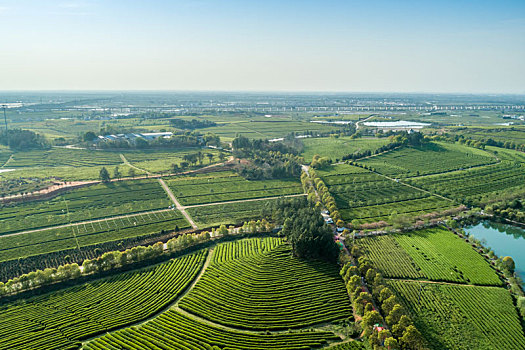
{"points": [[191, 124]]}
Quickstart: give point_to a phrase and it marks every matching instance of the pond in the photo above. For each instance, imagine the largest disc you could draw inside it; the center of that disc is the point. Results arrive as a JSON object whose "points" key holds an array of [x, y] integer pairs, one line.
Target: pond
{"points": [[504, 240], [398, 124]]}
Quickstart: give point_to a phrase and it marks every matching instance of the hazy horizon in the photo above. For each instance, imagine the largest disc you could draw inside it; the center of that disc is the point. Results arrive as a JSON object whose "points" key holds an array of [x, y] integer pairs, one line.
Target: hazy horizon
{"points": [[413, 47]]}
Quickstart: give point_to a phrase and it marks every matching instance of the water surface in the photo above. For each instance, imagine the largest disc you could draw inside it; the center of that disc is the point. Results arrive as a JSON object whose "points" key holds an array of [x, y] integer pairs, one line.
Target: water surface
{"points": [[505, 240]]}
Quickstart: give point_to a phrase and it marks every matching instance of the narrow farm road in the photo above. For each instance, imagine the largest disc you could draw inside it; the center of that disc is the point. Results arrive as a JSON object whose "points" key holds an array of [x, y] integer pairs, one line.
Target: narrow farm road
{"points": [[414, 187], [124, 159], [364, 120], [7, 161], [177, 204]]}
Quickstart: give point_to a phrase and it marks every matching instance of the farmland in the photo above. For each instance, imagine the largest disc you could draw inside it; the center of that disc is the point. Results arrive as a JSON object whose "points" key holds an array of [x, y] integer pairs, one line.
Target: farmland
{"points": [[57, 157], [227, 213], [85, 234], [337, 148], [258, 129], [431, 158], [62, 319], [462, 317], [173, 329], [227, 186], [87, 203], [159, 161], [302, 292], [474, 184], [433, 254], [368, 197]]}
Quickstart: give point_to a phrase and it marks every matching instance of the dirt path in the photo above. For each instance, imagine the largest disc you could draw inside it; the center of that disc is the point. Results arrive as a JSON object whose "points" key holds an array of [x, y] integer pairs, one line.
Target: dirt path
{"points": [[243, 200], [177, 204], [7, 161], [86, 222], [360, 121], [411, 186], [126, 162]]}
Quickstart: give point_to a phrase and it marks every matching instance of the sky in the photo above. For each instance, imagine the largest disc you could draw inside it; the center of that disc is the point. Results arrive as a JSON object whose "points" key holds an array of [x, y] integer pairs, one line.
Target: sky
{"points": [[338, 46]]}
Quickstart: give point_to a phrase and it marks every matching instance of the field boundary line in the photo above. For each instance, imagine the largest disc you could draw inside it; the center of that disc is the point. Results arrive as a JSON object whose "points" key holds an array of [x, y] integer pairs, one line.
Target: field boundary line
{"points": [[243, 200], [7, 161], [126, 162], [177, 204], [84, 222]]}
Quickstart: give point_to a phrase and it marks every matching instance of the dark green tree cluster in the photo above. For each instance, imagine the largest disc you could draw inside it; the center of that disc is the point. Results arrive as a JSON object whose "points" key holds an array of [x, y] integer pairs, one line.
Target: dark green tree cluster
{"points": [[266, 160], [20, 140], [305, 229]]}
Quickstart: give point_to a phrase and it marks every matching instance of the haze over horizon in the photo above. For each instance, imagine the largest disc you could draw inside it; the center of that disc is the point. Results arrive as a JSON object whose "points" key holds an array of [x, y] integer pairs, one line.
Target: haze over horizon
{"points": [[295, 46]]}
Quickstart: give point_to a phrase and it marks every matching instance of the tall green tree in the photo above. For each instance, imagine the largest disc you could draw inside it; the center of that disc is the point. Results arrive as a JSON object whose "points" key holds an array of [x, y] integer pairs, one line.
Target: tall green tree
{"points": [[104, 175]]}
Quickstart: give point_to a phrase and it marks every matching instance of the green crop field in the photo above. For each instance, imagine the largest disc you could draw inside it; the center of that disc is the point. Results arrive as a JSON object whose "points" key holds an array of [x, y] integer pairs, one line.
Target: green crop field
{"points": [[475, 183], [431, 158], [86, 203], [462, 317], [368, 197], [61, 319], [351, 345], [55, 239], [231, 251], [228, 214], [260, 129], [161, 161], [433, 254], [268, 290], [56, 157], [507, 154], [500, 133], [337, 148], [227, 186], [172, 330]]}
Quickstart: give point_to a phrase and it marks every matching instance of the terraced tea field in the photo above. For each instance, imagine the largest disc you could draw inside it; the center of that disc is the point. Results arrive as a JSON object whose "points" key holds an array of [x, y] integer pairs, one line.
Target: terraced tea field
{"points": [[228, 213], [431, 158], [174, 330], [227, 186], [268, 289], [368, 197], [55, 239], [473, 184], [57, 157], [432, 254], [462, 317], [61, 319], [86, 203]]}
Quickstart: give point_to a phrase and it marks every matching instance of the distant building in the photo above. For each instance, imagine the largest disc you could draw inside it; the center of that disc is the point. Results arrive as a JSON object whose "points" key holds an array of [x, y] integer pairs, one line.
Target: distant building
{"points": [[148, 136]]}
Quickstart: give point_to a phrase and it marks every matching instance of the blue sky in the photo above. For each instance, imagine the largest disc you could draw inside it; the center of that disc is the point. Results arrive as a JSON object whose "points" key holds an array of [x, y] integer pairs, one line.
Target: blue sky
{"points": [[370, 46]]}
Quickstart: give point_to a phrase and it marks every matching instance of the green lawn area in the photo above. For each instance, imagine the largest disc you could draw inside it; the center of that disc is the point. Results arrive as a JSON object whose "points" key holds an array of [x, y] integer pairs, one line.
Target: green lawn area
{"points": [[337, 148]]}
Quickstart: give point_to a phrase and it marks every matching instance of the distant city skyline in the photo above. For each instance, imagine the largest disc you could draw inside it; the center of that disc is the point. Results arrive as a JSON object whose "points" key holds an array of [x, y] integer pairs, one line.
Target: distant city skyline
{"points": [[289, 46]]}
